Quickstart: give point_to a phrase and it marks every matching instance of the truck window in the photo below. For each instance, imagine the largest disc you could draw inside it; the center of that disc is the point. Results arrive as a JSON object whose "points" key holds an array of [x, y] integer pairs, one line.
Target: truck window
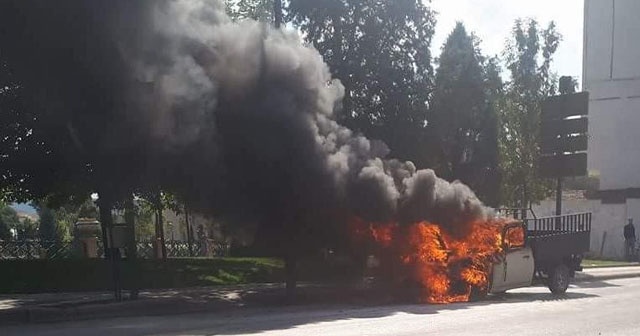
{"points": [[514, 237]]}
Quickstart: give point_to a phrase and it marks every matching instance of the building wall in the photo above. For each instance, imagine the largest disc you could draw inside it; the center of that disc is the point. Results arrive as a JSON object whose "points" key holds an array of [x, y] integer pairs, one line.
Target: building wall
{"points": [[612, 77], [175, 226]]}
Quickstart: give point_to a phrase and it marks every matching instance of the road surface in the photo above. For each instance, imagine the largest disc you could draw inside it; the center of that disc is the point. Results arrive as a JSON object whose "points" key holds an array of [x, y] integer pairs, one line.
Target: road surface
{"points": [[598, 308]]}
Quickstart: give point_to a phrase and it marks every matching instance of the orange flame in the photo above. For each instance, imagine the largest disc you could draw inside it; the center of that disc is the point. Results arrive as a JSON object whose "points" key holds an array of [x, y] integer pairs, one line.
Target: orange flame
{"points": [[514, 237], [447, 267]]}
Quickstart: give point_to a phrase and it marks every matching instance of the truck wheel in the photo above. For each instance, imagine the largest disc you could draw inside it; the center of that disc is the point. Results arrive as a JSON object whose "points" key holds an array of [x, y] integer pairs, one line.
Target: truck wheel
{"points": [[478, 294], [559, 279]]}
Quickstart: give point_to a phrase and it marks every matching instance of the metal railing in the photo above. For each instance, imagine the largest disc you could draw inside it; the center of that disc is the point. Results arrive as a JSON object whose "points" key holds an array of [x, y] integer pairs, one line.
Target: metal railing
{"points": [[579, 222], [182, 249], [37, 249]]}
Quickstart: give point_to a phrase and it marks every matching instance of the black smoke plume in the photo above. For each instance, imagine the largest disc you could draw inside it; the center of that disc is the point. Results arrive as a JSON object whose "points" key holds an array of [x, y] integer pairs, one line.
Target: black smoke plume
{"points": [[237, 118]]}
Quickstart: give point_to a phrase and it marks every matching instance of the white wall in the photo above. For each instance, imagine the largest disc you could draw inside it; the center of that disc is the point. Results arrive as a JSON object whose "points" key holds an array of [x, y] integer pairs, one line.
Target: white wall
{"points": [[612, 77], [626, 30], [597, 39]]}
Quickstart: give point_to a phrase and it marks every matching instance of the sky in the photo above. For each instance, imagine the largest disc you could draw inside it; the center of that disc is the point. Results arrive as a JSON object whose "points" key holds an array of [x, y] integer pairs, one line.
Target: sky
{"points": [[492, 20]]}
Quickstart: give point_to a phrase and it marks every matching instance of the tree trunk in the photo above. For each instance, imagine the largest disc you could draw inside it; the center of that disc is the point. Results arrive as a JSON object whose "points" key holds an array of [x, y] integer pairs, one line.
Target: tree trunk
{"points": [[277, 13], [132, 253], [189, 230], [525, 200], [106, 221], [156, 237], [130, 218], [160, 248], [163, 246], [290, 265]]}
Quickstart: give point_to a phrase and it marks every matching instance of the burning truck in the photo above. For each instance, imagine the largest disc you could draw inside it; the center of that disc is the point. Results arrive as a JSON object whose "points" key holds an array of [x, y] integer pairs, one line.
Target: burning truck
{"points": [[497, 255]]}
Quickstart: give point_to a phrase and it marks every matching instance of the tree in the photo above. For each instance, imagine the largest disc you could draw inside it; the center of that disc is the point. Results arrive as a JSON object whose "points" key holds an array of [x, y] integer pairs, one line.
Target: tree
{"points": [[28, 229], [69, 139], [88, 209], [528, 58], [68, 214], [8, 220], [145, 222], [380, 52], [277, 13], [462, 117], [259, 10], [21, 150], [488, 147], [156, 202], [48, 229]]}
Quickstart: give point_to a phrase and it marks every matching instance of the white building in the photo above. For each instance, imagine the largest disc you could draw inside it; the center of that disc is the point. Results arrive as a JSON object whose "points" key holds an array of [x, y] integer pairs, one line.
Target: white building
{"points": [[611, 75]]}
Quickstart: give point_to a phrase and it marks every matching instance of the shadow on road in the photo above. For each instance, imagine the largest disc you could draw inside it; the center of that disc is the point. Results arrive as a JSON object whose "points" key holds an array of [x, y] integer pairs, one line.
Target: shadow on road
{"points": [[530, 297], [254, 310], [287, 317]]}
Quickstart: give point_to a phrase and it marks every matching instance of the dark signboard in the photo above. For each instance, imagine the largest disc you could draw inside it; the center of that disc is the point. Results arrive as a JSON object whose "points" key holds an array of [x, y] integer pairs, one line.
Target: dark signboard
{"points": [[563, 165], [563, 135], [563, 106]]}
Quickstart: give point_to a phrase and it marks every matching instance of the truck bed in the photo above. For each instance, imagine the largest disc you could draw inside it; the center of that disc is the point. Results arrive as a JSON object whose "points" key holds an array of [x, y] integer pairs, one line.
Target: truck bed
{"points": [[559, 237]]}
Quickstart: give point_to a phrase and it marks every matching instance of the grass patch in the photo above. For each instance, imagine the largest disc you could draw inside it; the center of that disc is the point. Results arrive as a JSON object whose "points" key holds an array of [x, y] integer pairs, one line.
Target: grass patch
{"points": [[33, 276], [590, 263]]}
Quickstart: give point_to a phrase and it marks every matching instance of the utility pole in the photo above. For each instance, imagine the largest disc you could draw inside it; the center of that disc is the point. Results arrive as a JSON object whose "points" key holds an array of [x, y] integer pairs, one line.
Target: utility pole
{"points": [[566, 87]]}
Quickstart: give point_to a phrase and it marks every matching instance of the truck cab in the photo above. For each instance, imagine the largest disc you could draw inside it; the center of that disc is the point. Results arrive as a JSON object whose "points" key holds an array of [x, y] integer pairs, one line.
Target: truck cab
{"points": [[515, 267]]}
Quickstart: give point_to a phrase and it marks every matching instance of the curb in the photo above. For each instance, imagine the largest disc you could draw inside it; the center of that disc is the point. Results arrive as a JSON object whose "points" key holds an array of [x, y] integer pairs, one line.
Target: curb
{"points": [[592, 278], [611, 266]]}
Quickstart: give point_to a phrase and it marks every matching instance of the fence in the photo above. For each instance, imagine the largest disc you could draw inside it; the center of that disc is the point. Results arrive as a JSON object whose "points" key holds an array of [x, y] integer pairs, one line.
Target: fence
{"points": [[36, 249], [181, 249]]}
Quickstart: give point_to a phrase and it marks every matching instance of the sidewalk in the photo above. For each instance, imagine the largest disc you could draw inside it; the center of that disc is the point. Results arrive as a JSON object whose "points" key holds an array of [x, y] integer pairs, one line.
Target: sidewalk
{"points": [[607, 273], [37, 308]]}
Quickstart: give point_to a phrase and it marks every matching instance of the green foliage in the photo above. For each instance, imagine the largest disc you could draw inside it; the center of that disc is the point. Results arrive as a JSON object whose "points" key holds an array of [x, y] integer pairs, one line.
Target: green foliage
{"points": [[463, 119], [380, 52], [528, 57], [88, 210], [8, 220], [57, 224], [261, 10], [145, 222], [65, 219], [48, 229], [28, 229]]}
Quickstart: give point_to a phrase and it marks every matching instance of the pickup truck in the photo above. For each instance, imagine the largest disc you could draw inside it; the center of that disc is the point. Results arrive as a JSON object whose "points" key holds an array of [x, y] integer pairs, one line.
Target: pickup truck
{"points": [[550, 253]]}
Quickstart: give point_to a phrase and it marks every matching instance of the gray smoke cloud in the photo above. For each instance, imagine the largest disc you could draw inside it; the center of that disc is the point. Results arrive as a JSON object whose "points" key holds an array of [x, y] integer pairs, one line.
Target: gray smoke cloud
{"points": [[250, 113]]}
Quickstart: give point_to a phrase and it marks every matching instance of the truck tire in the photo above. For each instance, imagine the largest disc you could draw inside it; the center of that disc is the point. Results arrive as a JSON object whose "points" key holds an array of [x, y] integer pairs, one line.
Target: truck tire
{"points": [[558, 280], [478, 294]]}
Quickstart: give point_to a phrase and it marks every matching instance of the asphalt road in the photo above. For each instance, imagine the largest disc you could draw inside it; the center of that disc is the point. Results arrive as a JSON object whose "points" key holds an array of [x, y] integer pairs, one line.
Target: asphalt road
{"points": [[597, 308]]}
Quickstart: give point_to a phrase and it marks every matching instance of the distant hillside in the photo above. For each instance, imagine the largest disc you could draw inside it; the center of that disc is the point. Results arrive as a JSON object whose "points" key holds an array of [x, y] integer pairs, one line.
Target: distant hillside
{"points": [[24, 208]]}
